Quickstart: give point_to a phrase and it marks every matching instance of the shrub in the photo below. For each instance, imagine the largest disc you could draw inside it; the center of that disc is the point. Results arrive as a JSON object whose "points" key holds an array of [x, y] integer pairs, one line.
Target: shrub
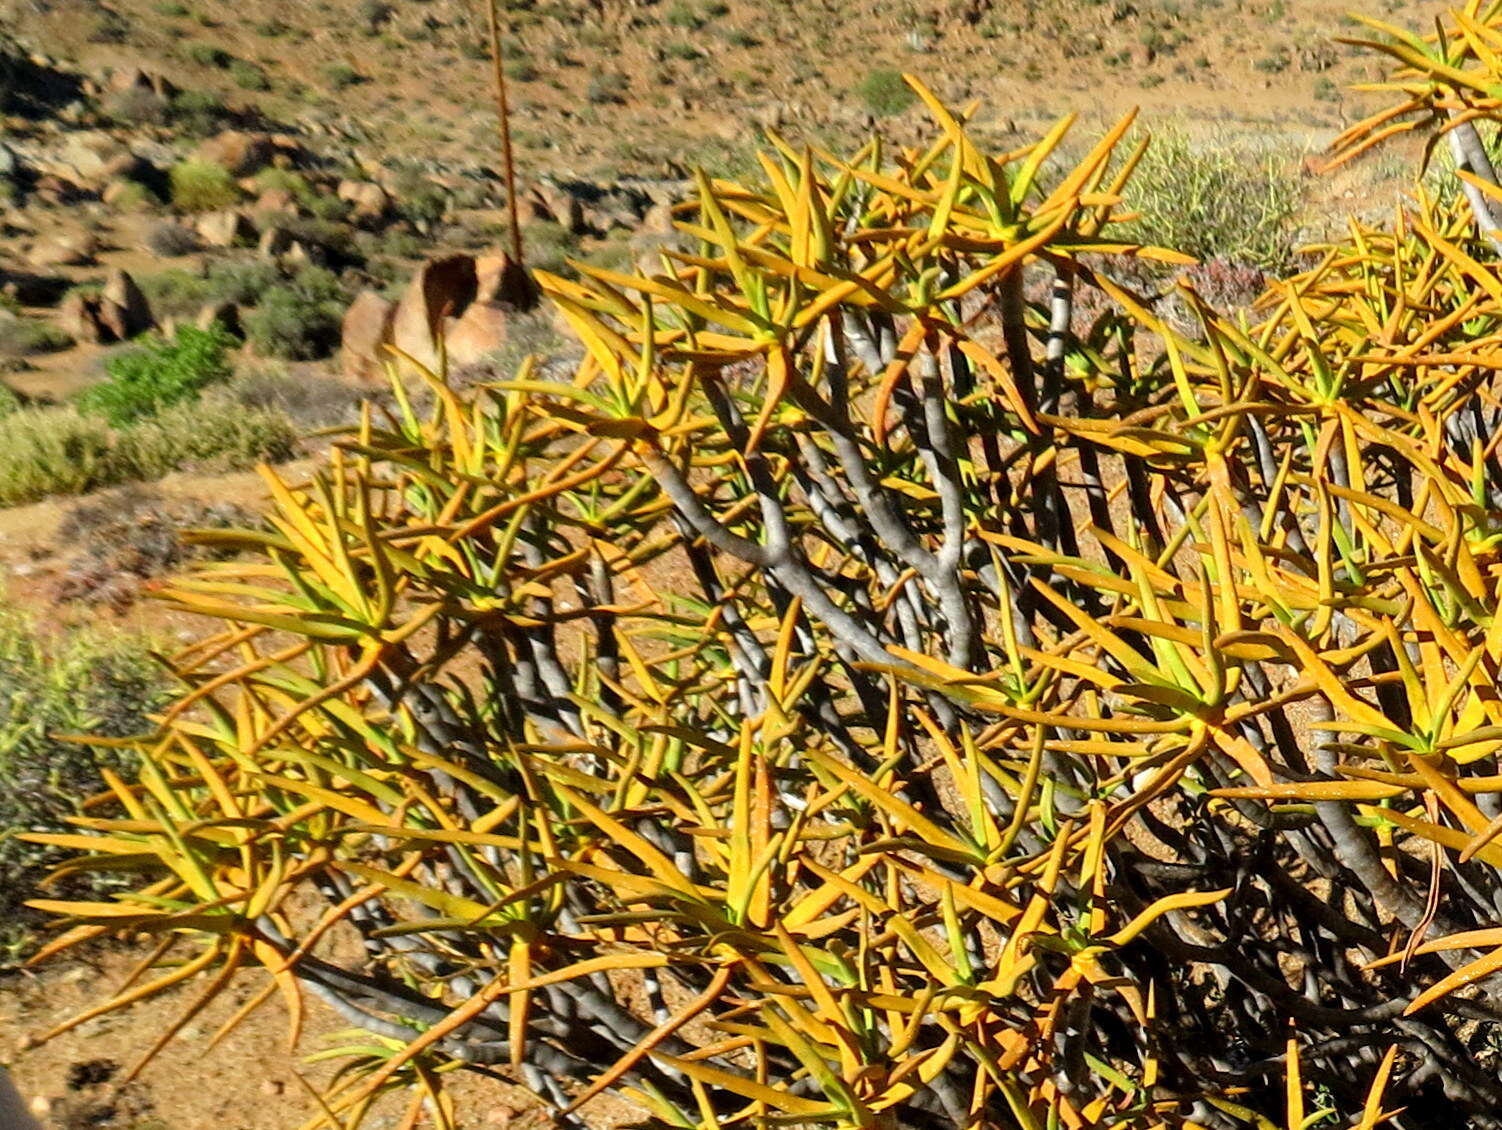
{"points": [[340, 75], [138, 106], [198, 112], [1219, 199], [208, 55], [884, 92], [147, 379], [607, 86], [202, 186], [248, 76], [58, 683], [22, 336], [865, 695], [52, 451], [171, 240], [217, 432], [299, 321]]}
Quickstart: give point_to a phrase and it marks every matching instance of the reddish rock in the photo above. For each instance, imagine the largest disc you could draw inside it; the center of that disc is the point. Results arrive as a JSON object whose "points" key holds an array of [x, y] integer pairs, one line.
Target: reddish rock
{"points": [[75, 249], [368, 201], [225, 315], [237, 152], [79, 316], [224, 229], [275, 201], [479, 332], [440, 289], [123, 309], [366, 328]]}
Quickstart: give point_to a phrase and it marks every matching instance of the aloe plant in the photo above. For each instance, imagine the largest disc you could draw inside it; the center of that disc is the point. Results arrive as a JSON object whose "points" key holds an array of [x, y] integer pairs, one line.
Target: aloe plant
{"points": [[869, 691]]}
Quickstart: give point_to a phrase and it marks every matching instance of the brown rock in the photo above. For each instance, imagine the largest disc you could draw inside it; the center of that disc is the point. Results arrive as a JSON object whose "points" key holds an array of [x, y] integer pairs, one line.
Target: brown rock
{"points": [[224, 229], [237, 152], [79, 316], [366, 327], [368, 200], [275, 201], [226, 315], [69, 249], [275, 241], [441, 288], [479, 332], [122, 306]]}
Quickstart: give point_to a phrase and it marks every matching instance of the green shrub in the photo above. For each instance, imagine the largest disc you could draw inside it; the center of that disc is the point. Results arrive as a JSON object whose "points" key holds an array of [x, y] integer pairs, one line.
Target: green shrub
{"points": [[208, 55], [298, 321], [10, 401], [1218, 199], [197, 112], [885, 93], [52, 451], [54, 683], [145, 380], [273, 176], [25, 336], [202, 186], [218, 432], [248, 76], [340, 75]]}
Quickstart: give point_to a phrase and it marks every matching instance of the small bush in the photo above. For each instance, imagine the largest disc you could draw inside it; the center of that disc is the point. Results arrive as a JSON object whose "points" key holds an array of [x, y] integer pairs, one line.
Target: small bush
{"points": [[54, 683], [607, 87], [25, 336], [273, 177], [125, 538], [202, 186], [340, 75], [248, 76], [170, 240], [172, 9], [52, 451], [198, 113], [298, 321], [885, 92], [207, 55], [1218, 199], [215, 433], [143, 381], [138, 106]]}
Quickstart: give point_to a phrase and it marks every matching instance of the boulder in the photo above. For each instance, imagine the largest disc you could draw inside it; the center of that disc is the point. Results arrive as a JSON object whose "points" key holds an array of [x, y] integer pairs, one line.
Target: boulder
{"points": [[224, 229], [122, 306], [440, 289], [476, 334], [237, 152], [366, 327], [275, 201], [275, 241], [368, 200], [225, 315], [64, 249], [79, 315]]}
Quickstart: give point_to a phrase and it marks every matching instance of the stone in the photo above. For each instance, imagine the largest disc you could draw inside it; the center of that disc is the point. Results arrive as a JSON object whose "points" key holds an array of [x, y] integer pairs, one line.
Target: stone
{"points": [[237, 152], [122, 306], [368, 200], [79, 315], [476, 334], [440, 289], [227, 228], [275, 201], [275, 241], [225, 315], [69, 249], [366, 327]]}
